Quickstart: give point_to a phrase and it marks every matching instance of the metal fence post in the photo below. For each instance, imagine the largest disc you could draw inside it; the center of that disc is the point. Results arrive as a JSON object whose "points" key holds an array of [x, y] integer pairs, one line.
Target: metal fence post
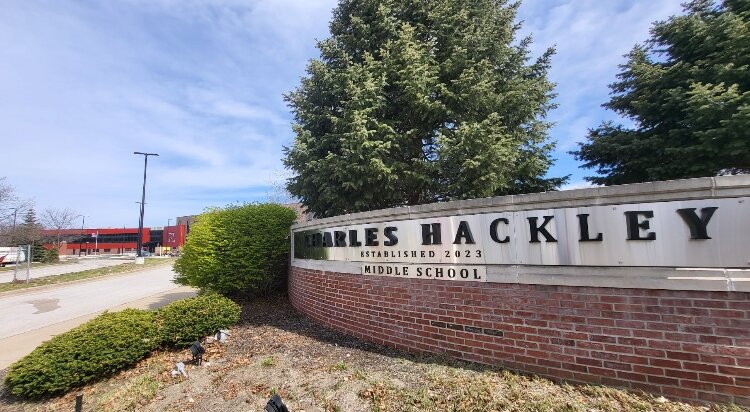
{"points": [[28, 262], [15, 266]]}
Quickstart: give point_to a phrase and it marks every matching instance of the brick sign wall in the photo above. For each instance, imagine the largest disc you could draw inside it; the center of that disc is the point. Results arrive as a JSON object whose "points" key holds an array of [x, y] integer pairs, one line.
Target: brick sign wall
{"points": [[683, 344], [683, 333]]}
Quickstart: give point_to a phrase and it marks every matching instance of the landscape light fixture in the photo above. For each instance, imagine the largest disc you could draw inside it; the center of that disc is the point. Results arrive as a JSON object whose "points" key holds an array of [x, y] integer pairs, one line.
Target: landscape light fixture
{"points": [[197, 350], [139, 252], [275, 405]]}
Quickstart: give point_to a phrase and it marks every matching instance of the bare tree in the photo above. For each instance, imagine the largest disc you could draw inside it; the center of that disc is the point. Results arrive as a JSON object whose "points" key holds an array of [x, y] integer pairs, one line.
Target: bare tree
{"points": [[7, 196], [58, 220], [11, 211]]}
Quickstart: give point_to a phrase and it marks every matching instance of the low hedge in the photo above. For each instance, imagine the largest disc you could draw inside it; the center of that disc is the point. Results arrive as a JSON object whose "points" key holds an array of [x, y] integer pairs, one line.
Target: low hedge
{"points": [[182, 322], [115, 341], [98, 348]]}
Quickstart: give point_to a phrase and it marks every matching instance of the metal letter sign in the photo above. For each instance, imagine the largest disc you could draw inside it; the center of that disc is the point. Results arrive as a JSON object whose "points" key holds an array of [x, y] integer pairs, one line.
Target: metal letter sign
{"points": [[695, 233]]}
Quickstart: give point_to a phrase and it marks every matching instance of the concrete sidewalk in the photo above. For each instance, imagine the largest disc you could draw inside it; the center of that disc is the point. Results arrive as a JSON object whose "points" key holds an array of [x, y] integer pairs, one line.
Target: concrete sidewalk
{"points": [[18, 346], [55, 270], [31, 317]]}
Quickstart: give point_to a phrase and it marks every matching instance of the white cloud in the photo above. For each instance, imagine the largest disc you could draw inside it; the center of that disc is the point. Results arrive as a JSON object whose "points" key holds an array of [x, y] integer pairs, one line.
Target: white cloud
{"points": [[200, 82], [590, 38], [581, 184]]}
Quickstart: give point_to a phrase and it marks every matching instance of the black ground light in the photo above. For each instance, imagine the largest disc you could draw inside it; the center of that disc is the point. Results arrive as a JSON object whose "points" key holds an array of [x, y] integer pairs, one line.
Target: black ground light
{"points": [[197, 350], [275, 405]]}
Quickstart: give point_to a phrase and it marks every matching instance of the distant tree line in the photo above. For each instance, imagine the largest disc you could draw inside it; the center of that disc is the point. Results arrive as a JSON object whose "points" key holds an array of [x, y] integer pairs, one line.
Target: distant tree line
{"points": [[20, 225]]}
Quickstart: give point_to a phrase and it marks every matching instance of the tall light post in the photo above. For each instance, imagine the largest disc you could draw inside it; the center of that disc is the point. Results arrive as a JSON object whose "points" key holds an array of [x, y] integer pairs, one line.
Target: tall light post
{"points": [[139, 253], [80, 240], [13, 243], [13, 231], [137, 241]]}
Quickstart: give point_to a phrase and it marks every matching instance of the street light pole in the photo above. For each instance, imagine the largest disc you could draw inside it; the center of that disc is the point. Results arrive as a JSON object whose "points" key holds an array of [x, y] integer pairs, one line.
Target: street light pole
{"points": [[139, 253], [13, 231], [13, 243], [80, 240]]}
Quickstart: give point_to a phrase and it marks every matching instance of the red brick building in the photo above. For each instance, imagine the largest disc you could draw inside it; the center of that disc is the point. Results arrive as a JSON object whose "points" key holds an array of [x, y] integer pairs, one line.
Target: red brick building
{"points": [[113, 240]]}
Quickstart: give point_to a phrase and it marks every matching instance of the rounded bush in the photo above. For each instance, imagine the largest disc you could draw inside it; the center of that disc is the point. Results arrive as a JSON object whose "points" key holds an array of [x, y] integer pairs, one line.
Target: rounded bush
{"points": [[237, 250], [96, 349], [183, 322]]}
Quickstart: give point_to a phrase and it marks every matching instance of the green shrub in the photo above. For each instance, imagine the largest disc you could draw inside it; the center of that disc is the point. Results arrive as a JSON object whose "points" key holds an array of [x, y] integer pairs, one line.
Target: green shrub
{"points": [[182, 322], [51, 256], [96, 349], [40, 254], [237, 250]]}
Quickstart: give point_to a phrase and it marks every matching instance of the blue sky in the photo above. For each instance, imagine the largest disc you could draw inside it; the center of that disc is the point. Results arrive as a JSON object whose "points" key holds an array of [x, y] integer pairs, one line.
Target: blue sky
{"points": [[83, 84]]}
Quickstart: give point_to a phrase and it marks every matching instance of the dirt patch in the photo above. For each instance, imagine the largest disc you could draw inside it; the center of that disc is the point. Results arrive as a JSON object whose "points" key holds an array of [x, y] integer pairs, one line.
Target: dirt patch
{"points": [[277, 350]]}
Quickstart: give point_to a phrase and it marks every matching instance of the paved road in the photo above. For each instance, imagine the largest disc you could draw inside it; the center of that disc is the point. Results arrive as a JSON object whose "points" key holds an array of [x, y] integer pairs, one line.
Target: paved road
{"points": [[30, 317], [54, 270]]}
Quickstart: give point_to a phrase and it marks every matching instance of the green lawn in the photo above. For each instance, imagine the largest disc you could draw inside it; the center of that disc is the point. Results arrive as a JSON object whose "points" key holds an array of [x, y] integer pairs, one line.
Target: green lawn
{"points": [[35, 265], [85, 274]]}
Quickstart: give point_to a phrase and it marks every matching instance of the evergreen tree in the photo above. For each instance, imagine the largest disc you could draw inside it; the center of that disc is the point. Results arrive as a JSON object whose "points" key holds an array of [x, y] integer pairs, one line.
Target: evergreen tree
{"points": [[687, 90], [420, 101], [30, 231]]}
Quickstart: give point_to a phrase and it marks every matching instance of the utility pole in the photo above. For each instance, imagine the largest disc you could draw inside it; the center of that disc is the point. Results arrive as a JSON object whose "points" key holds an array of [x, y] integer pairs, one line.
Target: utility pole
{"points": [[139, 253], [13, 243], [80, 239]]}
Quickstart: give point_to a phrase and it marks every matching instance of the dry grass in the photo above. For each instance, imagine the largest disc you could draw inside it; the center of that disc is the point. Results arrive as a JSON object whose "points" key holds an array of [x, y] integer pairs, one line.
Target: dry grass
{"points": [[448, 388]]}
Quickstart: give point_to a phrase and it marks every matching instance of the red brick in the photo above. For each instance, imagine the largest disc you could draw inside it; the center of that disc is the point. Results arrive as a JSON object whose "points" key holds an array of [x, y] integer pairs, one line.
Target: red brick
{"points": [[630, 376], [681, 374], [653, 353], [633, 359], [700, 303], [718, 313], [682, 356], [718, 360], [708, 377], [715, 340], [602, 371], [740, 372], [603, 338], [733, 332], [734, 390], [648, 370], [699, 385], [662, 380], [613, 299], [714, 397], [649, 334], [588, 361], [665, 363], [679, 392]]}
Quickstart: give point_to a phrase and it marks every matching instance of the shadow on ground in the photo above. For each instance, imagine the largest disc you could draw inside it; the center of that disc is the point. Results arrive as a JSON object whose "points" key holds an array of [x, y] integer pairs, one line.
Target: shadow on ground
{"points": [[277, 312], [169, 298]]}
